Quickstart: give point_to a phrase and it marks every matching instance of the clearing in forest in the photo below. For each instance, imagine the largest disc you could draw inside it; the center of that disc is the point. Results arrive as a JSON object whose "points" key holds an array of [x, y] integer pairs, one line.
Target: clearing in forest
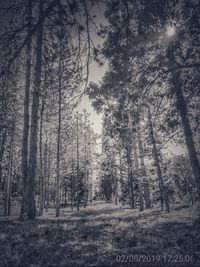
{"points": [[104, 235]]}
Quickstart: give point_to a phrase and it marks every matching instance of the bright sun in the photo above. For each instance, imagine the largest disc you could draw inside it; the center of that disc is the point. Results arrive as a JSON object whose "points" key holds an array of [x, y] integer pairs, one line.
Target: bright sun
{"points": [[171, 31]]}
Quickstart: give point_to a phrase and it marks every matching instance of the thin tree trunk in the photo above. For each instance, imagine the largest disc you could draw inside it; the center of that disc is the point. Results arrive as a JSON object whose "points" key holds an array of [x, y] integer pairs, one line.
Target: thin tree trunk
{"points": [[65, 198], [29, 195], [3, 143], [116, 190], [48, 177], [72, 180], [10, 187], [41, 176], [24, 163], [89, 172], [141, 201], [86, 164], [77, 166], [163, 193], [45, 175], [130, 176], [143, 172], [121, 177], [8, 184], [86, 188], [72, 192], [59, 136]]}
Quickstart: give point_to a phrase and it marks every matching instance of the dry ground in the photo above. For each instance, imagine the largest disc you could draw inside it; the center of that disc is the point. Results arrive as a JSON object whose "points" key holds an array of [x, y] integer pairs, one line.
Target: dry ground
{"points": [[103, 235]]}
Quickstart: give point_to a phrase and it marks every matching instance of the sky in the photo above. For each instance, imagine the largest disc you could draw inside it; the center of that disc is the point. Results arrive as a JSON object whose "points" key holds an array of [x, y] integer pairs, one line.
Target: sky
{"points": [[96, 72], [95, 75]]}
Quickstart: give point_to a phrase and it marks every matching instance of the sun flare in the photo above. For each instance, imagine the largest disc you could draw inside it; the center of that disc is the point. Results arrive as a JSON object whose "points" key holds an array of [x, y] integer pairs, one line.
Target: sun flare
{"points": [[171, 31]]}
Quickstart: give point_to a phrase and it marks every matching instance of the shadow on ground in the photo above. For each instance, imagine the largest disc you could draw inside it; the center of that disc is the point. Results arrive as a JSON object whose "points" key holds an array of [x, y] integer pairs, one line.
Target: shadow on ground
{"points": [[96, 240]]}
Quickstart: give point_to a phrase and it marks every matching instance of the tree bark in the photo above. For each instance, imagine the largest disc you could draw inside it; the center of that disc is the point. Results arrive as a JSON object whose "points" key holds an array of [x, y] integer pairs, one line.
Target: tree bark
{"points": [[41, 176], [24, 163], [45, 175], [29, 195], [183, 111], [121, 177], [143, 172], [59, 136], [77, 163], [115, 190], [130, 175], [141, 201], [72, 180], [48, 176], [89, 172], [3, 145], [163, 193], [86, 163], [8, 182]]}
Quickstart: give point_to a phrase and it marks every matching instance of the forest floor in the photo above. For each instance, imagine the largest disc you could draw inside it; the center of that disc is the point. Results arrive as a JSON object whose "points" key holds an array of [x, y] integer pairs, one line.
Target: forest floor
{"points": [[103, 235]]}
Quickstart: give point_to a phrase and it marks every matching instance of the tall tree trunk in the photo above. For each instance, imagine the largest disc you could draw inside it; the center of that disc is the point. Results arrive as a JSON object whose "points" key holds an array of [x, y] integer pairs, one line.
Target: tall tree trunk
{"points": [[141, 201], [29, 196], [72, 180], [65, 195], [115, 190], [182, 108], [121, 177], [3, 145], [163, 193], [130, 176], [10, 178], [89, 172], [59, 135], [48, 176], [41, 176], [77, 166], [143, 172], [45, 174], [8, 182], [24, 163], [85, 163], [86, 188]]}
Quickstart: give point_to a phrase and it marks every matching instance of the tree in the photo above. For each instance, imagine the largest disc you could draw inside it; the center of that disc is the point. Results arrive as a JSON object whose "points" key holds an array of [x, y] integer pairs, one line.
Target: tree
{"points": [[182, 108], [163, 193], [29, 194], [27, 97]]}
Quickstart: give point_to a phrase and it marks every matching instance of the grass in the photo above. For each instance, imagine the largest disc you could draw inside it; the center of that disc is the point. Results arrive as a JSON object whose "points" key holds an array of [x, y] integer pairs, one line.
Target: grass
{"points": [[96, 235]]}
